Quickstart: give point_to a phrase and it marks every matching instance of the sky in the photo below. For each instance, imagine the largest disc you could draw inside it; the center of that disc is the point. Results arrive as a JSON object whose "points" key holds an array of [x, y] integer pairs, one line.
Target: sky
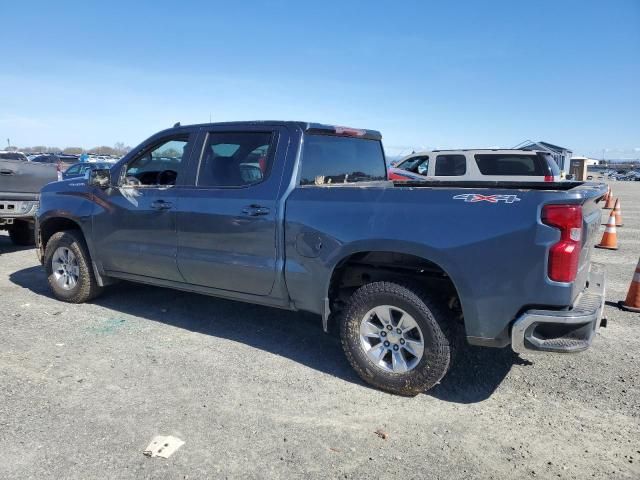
{"points": [[426, 74]]}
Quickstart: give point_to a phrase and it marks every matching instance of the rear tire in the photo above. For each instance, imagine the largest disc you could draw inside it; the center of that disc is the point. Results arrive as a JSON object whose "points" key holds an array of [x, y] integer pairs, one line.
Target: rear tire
{"points": [[68, 265], [22, 233], [378, 349]]}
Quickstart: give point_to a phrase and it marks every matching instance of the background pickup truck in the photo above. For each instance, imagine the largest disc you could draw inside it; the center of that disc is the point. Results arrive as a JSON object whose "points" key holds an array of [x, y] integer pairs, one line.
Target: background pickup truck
{"points": [[20, 184], [301, 216]]}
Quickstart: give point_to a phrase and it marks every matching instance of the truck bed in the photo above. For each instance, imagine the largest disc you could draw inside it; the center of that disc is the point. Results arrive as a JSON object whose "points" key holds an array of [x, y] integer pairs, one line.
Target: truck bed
{"points": [[24, 179], [563, 186]]}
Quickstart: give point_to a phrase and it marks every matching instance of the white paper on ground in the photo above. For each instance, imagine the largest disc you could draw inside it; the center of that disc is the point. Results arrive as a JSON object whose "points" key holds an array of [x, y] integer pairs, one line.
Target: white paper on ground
{"points": [[162, 446]]}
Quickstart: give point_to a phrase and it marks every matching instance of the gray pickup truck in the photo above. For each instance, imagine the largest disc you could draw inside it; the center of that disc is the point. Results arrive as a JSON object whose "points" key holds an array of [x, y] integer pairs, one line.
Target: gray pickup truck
{"points": [[20, 184], [301, 216]]}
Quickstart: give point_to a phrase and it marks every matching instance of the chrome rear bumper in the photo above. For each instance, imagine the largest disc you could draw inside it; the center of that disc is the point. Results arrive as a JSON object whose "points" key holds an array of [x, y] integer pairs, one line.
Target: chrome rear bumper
{"points": [[563, 331]]}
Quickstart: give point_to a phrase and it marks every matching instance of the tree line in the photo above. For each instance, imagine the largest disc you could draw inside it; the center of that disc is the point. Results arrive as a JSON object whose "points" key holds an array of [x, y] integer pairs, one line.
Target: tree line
{"points": [[118, 149]]}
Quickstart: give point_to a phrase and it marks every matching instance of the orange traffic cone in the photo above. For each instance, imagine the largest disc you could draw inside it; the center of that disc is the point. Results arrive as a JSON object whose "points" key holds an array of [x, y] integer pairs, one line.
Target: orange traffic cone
{"points": [[610, 203], [618, 213], [632, 302], [610, 236]]}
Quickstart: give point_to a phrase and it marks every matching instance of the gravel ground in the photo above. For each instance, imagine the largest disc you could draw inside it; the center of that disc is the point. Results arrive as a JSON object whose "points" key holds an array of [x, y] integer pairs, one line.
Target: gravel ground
{"points": [[262, 393]]}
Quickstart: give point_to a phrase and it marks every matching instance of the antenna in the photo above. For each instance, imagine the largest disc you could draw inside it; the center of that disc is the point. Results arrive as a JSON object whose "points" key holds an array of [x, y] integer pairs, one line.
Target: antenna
{"points": [[177, 124]]}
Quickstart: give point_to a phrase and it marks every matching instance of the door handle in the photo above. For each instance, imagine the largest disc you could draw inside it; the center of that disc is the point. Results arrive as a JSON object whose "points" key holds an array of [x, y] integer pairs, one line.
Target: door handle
{"points": [[255, 210], [161, 205], [6, 172]]}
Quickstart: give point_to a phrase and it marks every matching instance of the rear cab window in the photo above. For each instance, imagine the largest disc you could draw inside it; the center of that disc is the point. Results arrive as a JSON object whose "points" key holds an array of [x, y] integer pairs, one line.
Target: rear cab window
{"points": [[330, 160], [510, 164]]}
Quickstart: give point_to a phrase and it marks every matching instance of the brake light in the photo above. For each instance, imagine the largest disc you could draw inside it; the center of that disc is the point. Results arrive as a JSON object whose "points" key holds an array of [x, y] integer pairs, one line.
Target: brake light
{"points": [[565, 254], [548, 178], [350, 132]]}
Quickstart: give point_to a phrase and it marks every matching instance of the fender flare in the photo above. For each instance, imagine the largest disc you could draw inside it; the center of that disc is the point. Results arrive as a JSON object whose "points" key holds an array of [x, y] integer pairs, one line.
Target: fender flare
{"points": [[463, 288]]}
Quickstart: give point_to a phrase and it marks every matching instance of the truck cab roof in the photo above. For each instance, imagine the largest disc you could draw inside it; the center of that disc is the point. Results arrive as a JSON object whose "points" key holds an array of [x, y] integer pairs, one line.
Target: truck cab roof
{"points": [[308, 127]]}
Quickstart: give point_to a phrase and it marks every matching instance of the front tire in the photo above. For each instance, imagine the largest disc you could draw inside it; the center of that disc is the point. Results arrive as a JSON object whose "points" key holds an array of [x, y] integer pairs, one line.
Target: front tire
{"points": [[397, 338], [22, 233], [68, 267]]}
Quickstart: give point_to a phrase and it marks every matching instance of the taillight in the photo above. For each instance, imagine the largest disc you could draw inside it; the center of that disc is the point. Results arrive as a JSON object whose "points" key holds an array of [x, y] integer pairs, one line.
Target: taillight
{"points": [[548, 178], [564, 255]]}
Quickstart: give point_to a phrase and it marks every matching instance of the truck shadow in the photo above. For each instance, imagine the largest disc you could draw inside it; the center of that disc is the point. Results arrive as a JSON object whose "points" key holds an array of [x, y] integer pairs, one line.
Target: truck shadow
{"points": [[7, 246], [476, 373], [295, 335]]}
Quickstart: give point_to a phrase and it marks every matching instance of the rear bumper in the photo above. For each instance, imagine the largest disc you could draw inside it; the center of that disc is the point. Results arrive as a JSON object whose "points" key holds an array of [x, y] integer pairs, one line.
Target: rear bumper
{"points": [[563, 331]]}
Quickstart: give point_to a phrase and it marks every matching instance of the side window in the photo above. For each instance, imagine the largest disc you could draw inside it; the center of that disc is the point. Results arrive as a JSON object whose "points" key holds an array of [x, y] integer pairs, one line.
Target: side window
{"points": [[418, 165], [423, 166], [511, 164], [235, 159], [158, 166], [555, 169], [73, 169], [451, 165], [330, 159]]}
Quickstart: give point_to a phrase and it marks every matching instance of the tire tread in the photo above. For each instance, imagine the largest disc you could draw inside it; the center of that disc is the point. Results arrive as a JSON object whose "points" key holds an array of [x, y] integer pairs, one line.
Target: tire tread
{"points": [[87, 283], [441, 350]]}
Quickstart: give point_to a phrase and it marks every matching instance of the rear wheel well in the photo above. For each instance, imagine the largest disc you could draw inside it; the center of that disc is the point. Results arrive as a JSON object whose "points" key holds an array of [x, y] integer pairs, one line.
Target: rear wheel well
{"points": [[54, 225], [365, 267]]}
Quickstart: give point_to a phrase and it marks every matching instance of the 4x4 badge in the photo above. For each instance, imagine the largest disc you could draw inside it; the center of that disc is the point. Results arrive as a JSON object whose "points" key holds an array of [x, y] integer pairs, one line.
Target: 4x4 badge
{"points": [[476, 197]]}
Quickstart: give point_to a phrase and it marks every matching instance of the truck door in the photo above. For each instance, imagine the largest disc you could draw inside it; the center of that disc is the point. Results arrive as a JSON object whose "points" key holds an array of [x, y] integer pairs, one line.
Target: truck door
{"points": [[135, 224], [227, 220]]}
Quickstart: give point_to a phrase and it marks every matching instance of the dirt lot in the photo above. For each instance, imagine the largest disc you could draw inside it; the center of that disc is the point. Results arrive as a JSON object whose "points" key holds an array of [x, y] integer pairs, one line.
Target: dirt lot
{"points": [[262, 393]]}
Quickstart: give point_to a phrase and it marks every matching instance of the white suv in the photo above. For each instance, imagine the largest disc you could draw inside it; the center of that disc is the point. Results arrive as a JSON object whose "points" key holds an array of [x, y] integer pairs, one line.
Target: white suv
{"points": [[464, 165]]}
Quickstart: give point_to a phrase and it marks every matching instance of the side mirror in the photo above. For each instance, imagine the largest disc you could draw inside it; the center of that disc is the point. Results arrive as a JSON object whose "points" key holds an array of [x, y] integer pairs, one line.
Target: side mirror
{"points": [[100, 177]]}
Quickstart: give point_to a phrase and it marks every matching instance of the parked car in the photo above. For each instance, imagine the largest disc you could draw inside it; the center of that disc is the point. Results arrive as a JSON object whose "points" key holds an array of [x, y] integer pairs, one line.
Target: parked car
{"points": [[62, 160], [301, 216], [465, 165], [80, 169], [13, 156]]}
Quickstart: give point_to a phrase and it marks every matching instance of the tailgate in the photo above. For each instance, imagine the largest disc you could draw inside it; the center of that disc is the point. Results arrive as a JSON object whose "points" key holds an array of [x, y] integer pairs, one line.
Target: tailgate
{"points": [[18, 176], [592, 218]]}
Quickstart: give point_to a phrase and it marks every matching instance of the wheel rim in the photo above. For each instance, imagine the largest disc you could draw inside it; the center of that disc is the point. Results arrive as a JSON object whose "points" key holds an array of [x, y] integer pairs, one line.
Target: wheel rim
{"points": [[64, 265], [392, 339]]}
